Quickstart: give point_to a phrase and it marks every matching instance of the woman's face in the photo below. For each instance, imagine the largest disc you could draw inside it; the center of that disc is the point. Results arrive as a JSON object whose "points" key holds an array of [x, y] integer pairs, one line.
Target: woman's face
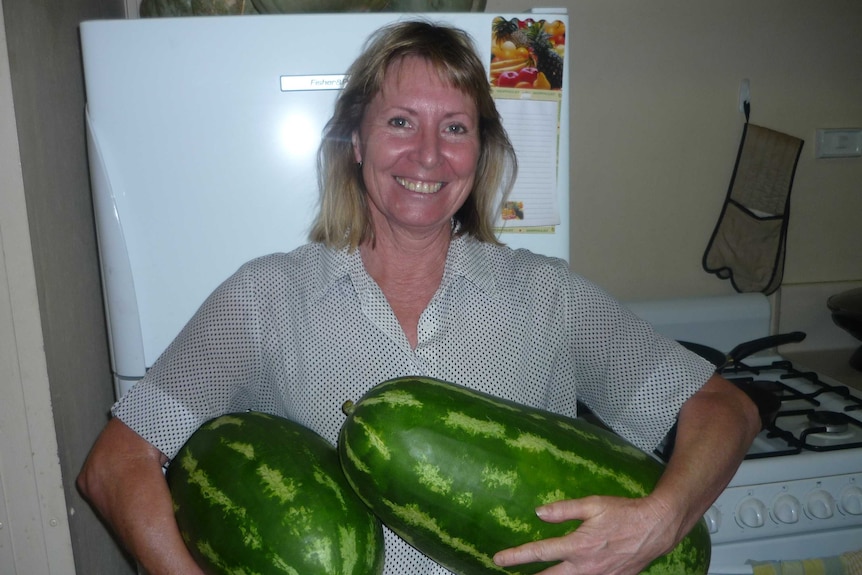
{"points": [[419, 146]]}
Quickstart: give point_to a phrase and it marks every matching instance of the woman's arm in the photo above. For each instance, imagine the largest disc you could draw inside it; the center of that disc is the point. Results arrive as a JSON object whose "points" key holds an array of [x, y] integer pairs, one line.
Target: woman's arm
{"points": [[716, 427], [123, 480], [621, 536]]}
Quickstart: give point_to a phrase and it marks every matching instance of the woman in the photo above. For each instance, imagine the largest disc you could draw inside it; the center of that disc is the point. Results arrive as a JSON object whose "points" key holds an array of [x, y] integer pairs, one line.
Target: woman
{"points": [[404, 276]]}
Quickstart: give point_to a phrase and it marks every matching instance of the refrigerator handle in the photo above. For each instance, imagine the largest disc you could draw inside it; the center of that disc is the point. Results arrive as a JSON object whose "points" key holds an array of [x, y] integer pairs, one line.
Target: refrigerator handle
{"points": [[118, 285]]}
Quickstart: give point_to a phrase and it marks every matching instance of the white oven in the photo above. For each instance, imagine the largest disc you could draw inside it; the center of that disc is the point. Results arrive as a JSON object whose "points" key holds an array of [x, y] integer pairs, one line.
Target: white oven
{"points": [[798, 494]]}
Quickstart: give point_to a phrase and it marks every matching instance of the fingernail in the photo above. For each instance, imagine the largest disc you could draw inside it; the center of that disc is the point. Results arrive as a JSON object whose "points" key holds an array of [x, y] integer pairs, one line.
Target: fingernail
{"points": [[541, 512]]}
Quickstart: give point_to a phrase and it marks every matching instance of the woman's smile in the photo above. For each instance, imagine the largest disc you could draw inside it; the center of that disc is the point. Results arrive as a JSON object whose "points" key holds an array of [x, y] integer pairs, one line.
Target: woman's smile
{"points": [[420, 186]]}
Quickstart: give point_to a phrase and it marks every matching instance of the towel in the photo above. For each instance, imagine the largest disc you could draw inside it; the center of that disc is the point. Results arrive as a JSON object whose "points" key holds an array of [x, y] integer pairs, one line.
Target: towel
{"points": [[846, 564]]}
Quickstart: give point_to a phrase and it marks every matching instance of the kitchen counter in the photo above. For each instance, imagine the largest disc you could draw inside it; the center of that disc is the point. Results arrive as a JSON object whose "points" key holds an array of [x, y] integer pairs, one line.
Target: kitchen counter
{"points": [[831, 362]]}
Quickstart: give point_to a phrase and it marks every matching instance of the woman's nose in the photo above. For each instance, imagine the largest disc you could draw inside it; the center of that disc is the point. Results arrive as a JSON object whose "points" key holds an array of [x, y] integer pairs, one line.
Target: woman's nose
{"points": [[428, 148]]}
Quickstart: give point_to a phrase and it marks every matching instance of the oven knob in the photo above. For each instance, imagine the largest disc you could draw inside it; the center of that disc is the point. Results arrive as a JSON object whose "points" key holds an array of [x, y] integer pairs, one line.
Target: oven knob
{"points": [[786, 509], [713, 519], [851, 500], [820, 505], [751, 513]]}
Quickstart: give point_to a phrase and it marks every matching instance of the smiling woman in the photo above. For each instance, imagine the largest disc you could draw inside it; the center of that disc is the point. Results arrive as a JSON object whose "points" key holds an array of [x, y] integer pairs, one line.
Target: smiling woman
{"points": [[404, 277]]}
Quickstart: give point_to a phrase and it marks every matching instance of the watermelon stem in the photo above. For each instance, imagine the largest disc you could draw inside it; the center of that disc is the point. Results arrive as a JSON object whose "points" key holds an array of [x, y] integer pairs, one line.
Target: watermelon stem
{"points": [[347, 407]]}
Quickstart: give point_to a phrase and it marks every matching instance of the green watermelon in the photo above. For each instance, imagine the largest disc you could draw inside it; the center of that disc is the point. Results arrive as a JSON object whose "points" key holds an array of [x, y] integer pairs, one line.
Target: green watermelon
{"points": [[258, 494], [151, 8], [154, 8], [436, 5], [311, 6], [458, 473]]}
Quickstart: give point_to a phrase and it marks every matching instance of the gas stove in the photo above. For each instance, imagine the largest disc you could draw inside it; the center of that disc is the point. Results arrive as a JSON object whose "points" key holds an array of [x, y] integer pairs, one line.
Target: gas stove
{"points": [[815, 414], [798, 493]]}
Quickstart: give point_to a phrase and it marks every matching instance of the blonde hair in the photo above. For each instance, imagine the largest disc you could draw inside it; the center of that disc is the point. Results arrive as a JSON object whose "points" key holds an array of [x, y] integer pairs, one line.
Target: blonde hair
{"points": [[343, 219]]}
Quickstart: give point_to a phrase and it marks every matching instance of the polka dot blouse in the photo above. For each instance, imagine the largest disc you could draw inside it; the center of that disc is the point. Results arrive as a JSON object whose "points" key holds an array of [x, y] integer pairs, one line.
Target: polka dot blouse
{"points": [[298, 334]]}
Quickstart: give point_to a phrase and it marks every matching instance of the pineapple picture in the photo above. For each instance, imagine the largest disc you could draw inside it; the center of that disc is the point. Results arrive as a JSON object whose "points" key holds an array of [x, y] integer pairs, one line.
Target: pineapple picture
{"points": [[540, 40]]}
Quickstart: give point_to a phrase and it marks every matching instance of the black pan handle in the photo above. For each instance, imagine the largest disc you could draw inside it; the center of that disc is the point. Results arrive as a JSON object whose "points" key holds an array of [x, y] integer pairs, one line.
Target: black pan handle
{"points": [[747, 348], [712, 355]]}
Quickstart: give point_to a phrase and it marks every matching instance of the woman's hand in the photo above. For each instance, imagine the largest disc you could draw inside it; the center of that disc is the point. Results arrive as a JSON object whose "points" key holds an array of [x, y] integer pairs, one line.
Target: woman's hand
{"points": [[618, 536]]}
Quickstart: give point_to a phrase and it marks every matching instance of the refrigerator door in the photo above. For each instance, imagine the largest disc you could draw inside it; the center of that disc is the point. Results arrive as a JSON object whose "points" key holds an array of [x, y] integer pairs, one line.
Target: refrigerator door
{"points": [[202, 135]]}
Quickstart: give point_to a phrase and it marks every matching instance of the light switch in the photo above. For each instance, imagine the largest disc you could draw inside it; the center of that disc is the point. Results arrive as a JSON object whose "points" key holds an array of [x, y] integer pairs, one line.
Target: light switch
{"points": [[839, 143]]}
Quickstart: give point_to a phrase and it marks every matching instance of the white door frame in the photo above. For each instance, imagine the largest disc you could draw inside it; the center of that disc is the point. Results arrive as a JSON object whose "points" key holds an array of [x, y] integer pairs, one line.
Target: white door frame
{"points": [[34, 526]]}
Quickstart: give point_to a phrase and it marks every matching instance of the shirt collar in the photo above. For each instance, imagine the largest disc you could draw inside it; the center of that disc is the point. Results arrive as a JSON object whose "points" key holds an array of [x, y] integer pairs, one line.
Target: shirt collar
{"points": [[467, 258], [335, 265], [471, 259]]}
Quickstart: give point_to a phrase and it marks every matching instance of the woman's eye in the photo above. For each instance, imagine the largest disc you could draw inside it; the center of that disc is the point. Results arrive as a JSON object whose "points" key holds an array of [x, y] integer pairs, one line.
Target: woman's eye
{"points": [[456, 129], [399, 122]]}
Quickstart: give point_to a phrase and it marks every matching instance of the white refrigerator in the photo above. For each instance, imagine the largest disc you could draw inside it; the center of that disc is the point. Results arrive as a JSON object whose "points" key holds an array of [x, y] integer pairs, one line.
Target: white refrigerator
{"points": [[202, 135]]}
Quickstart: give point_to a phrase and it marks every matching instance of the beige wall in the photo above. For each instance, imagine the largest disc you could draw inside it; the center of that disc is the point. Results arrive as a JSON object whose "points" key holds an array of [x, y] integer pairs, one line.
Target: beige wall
{"points": [[655, 128]]}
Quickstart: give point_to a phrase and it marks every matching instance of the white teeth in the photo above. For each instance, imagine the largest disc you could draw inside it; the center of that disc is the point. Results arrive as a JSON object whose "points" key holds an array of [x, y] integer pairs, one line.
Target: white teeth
{"points": [[420, 187]]}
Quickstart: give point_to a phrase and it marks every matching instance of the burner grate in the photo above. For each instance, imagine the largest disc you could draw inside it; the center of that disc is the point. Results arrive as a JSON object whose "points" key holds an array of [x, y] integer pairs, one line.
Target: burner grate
{"points": [[802, 395], [802, 439]]}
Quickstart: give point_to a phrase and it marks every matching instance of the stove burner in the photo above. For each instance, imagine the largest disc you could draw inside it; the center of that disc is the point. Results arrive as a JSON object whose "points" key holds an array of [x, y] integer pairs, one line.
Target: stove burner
{"points": [[829, 421], [813, 415]]}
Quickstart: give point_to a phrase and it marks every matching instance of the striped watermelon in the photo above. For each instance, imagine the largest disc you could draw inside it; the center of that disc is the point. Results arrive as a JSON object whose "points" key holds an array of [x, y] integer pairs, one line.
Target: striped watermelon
{"points": [[458, 473], [259, 494]]}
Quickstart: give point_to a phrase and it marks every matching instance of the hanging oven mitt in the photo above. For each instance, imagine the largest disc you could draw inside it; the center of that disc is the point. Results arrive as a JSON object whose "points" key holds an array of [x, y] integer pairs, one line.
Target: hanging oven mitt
{"points": [[747, 244]]}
